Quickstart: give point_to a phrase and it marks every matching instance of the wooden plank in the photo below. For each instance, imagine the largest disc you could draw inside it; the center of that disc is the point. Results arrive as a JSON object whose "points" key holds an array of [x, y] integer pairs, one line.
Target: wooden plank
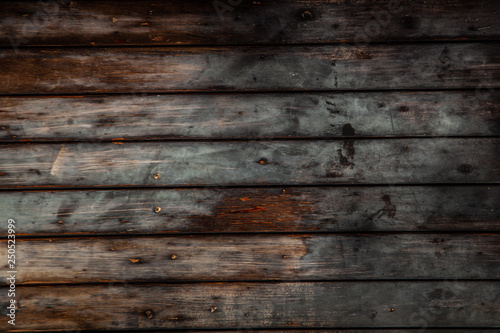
{"points": [[260, 305], [235, 22], [326, 330], [283, 209], [249, 116], [178, 69], [279, 163], [257, 257], [378, 330]]}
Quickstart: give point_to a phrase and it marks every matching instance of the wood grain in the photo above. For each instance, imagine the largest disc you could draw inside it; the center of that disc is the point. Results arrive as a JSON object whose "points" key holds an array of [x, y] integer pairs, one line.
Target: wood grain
{"points": [[236, 22], [388, 161], [250, 68], [260, 305], [249, 210], [378, 330], [257, 257], [228, 116]]}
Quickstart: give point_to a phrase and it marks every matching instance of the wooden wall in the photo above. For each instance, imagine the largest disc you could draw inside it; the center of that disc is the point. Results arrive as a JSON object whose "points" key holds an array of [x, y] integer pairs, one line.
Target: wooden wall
{"points": [[268, 166]]}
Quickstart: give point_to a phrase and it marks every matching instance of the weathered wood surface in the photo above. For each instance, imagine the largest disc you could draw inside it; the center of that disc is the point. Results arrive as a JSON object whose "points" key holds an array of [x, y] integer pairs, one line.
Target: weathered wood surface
{"points": [[257, 257], [248, 210], [326, 330], [235, 22], [250, 116], [251, 68], [436, 160], [260, 305]]}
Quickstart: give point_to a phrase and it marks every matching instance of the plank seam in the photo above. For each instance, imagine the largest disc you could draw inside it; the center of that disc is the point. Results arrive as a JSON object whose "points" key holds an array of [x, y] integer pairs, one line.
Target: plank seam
{"points": [[256, 233], [408, 41], [24, 188]]}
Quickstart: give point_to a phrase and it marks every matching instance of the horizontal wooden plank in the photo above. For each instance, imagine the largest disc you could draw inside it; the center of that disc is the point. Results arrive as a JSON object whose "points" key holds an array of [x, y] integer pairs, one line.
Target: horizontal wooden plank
{"points": [[338, 67], [229, 116], [299, 209], [236, 22], [378, 330], [442, 160], [257, 257], [259, 305]]}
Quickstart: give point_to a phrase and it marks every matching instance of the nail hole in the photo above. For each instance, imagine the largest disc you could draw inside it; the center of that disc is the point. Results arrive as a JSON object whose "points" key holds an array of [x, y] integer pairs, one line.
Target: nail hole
{"points": [[465, 168]]}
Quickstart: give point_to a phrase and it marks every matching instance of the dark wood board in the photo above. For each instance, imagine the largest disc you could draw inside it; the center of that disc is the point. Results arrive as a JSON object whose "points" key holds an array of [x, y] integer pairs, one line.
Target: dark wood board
{"points": [[326, 330], [230, 116], [260, 305], [177, 22], [250, 68], [257, 257], [254, 210], [383, 161]]}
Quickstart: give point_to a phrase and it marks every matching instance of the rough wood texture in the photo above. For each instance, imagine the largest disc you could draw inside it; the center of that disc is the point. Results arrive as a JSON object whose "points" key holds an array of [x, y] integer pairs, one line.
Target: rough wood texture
{"points": [[325, 330], [249, 116], [386, 110], [338, 67], [257, 257], [261, 305], [247, 163], [282, 209], [235, 22], [378, 330]]}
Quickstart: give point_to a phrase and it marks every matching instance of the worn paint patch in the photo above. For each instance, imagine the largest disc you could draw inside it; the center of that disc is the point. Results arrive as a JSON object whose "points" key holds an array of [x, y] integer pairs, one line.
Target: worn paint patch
{"points": [[56, 166]]}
